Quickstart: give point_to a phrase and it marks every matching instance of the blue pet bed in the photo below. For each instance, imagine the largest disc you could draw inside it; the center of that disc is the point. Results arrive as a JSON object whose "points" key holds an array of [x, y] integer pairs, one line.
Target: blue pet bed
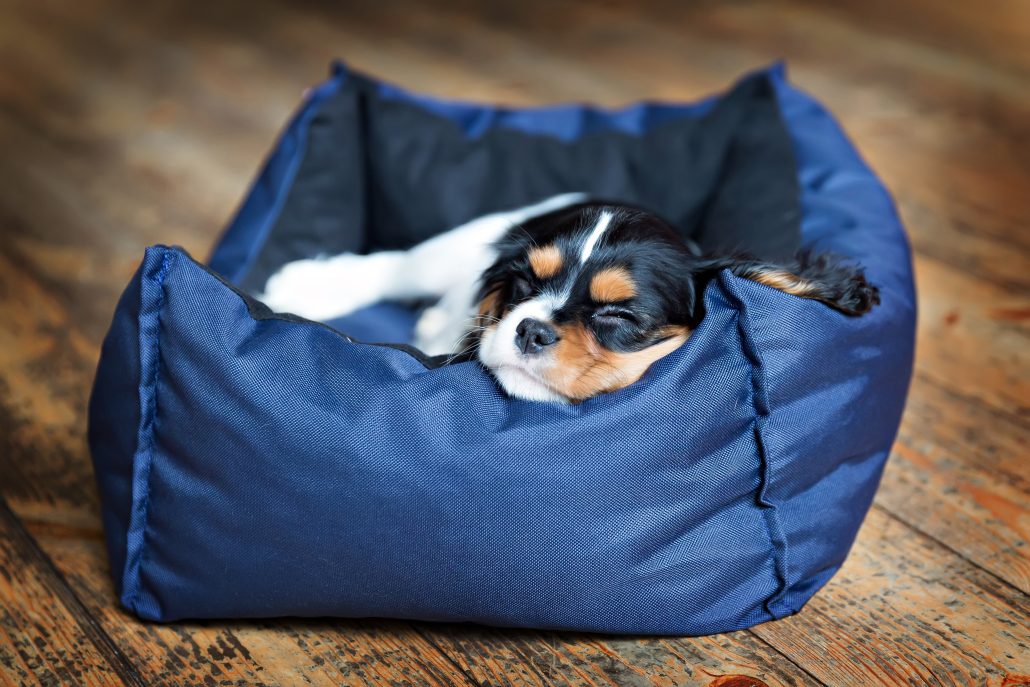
{"points": [[254, 464]]}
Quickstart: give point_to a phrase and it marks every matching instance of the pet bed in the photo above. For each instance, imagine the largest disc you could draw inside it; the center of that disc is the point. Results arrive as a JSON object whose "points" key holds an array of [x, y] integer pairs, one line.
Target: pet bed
{"points": [[254, 464]]}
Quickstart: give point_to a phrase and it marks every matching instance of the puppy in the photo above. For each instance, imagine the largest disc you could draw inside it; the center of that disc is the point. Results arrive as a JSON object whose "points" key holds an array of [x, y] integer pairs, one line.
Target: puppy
{"points": [[561, 301]]}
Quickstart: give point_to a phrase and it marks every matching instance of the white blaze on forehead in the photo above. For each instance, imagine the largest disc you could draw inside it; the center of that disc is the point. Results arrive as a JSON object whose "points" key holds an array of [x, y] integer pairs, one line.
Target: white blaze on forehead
{"points": [[595, 236]]}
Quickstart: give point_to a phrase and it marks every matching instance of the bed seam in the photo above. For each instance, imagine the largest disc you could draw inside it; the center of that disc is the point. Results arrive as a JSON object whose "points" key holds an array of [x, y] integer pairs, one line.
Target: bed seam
{"points": [[760, 404], [150, 419]]}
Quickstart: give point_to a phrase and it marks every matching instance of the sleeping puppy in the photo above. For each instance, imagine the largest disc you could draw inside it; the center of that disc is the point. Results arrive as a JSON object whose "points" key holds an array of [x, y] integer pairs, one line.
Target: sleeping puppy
{"points": [[561, 301]]}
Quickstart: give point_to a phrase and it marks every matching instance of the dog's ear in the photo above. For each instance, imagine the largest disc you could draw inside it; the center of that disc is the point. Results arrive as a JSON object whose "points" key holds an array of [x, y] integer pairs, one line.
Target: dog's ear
{"points": [[824, 278]]}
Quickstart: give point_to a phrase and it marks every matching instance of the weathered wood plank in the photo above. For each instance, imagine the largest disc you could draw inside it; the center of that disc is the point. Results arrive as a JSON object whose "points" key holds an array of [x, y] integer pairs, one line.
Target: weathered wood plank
{"points": [[129, 145], [540, 659], [976, 434], [905, 610], [958, 473], [999, 37], [46, 636], [968, 342], [45, 373]]}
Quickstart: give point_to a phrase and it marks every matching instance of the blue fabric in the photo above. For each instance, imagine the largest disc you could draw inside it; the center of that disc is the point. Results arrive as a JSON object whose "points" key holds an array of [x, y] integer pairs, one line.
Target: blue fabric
{"points": [[382, 323], [253, 466]]}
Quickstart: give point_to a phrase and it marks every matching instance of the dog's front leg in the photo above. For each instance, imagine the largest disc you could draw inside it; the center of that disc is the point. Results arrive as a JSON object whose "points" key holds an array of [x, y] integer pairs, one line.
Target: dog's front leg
{"points": [[329, 287], [448, 264]]}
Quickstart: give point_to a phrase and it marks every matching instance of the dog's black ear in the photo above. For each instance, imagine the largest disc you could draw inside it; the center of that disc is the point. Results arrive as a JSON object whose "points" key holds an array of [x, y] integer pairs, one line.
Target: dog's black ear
{"points": [[824, 278]]}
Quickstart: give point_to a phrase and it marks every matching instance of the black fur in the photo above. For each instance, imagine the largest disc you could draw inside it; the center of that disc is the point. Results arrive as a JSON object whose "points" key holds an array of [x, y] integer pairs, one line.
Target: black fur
{"points": [[668, 275], [835, 282]]}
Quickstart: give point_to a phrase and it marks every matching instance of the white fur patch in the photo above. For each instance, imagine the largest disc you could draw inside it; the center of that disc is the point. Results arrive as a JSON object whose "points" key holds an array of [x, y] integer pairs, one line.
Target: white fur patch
{"points": [[595, 237]]}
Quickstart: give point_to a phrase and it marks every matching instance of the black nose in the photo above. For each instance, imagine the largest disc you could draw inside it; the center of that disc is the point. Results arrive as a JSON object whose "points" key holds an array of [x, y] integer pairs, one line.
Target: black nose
{"points": [[533, 336]]}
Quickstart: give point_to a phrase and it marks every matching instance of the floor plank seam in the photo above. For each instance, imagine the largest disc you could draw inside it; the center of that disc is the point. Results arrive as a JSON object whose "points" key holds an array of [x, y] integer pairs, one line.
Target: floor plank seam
{"points": [[787, 658], [1008, 416], [915, 528], [117, 660]]}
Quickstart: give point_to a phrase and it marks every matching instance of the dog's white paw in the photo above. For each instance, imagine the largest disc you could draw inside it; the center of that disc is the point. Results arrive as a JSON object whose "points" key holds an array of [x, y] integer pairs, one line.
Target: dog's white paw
{"points": [[435, 332], [326, 288], [441, 329]]}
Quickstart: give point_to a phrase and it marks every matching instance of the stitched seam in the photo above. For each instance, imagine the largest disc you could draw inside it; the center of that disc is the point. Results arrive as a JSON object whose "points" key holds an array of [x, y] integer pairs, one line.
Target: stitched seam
{"points": [[760, 403], [151, 420]]}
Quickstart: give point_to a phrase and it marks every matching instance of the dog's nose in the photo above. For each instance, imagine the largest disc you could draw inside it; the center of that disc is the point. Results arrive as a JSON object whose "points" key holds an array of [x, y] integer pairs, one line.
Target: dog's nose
{"points": [[533, 336]]}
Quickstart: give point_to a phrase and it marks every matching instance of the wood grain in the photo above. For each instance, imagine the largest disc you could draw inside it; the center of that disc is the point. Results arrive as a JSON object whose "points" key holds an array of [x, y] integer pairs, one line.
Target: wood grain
{"points": [[951, 478], [118, 134], [965, 346], [46, 636], [1000, 36], [904, 609], [44, 384], [538, 659]]}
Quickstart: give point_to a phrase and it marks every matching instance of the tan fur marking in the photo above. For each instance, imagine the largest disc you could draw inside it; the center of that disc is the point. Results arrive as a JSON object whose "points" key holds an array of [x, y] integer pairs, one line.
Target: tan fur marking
{"points": [[487, 316], [611, 285], [488, 306], [583, 368], [545, 261], [781, 280]]}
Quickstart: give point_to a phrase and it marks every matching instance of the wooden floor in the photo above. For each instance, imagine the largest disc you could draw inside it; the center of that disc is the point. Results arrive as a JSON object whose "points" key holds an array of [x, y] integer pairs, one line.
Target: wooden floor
{"points": [[124, 124]]}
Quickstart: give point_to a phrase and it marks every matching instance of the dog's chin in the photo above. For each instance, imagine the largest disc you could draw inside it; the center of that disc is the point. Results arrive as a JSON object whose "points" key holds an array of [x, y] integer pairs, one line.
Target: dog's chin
{"points": [[518, 382]]}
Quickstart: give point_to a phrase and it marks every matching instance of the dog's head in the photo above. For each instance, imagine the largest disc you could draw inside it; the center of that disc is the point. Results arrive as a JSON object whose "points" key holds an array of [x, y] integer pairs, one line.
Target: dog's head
{"points": [[585, 305], [592, 297]]}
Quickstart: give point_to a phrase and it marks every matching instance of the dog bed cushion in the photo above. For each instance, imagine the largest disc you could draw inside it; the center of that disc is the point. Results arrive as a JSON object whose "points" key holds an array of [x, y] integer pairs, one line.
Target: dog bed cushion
{"points": [[254, 464]]}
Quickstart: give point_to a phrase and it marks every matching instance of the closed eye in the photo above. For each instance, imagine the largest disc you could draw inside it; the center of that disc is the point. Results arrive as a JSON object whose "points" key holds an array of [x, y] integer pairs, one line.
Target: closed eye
{"points": [[614, 316], [521, 289]]}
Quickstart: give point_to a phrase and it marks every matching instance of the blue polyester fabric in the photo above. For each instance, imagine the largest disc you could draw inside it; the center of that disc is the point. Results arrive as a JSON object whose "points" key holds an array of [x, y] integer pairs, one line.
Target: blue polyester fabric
{"points": [[253, 466]]}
